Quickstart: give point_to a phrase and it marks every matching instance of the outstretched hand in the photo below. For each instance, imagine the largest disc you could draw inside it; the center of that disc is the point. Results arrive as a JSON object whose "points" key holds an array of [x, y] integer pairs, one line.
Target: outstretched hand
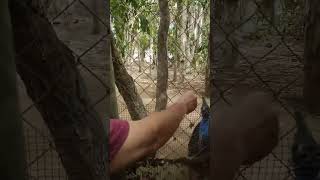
{"points": [[189, 101]]}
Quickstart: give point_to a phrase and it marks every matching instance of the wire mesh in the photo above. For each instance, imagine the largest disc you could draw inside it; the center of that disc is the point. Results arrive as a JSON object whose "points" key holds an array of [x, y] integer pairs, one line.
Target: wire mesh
{"points": [[251, 48], [249, 59], [88, 48]]}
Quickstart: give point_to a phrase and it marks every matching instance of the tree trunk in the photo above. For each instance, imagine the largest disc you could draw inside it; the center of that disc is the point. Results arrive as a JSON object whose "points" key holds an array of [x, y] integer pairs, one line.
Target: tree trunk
{"points": [[178, 48], [151, 57], [12, 153], [48, 69], [312, 56], [198, 21], [155, 53], [131, 50], [142, 57], [176, 57], [95, 22], [183, 34], [112, 107], [127, 88], [111, 99], [188, 28], [112, 103], [179, 32], [139, 57], [174, 69], [162, 68]]}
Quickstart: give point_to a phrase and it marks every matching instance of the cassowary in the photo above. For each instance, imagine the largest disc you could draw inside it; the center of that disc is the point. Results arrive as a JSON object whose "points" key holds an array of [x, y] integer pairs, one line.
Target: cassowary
{"points": [[199, 141], [243, 134], [305, 152], [198, 146]]}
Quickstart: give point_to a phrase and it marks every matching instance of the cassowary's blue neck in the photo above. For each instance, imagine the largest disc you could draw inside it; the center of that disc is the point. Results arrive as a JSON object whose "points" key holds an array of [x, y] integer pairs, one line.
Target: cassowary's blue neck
{"points": [[204, 128], [203, 132]]}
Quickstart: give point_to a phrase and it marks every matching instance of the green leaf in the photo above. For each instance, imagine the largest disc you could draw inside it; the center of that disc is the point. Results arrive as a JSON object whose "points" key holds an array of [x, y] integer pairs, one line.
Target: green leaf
{"points": [[144, 24], [134, 3]]}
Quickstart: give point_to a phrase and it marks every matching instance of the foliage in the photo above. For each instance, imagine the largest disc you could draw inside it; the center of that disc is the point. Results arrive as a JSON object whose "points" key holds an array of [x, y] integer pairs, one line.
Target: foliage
{"points": [[135, 23], [131, 17]]}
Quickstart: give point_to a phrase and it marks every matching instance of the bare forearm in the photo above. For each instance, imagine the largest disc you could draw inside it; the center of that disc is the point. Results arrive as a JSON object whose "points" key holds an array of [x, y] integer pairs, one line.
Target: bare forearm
{"points": [[147, 135], [166, 122]]}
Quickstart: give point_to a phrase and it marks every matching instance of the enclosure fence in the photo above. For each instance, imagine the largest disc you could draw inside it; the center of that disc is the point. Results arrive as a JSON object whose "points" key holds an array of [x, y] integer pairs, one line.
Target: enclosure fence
{"points": [[251, 49]]}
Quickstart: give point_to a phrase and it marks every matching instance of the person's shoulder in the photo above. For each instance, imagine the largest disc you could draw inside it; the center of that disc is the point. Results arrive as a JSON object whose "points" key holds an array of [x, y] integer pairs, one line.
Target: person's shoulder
{"points": [[118, 133], [116, 124]]}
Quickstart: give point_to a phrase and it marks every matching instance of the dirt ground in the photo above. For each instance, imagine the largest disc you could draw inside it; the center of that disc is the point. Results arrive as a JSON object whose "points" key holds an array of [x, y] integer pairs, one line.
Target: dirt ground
{"points": [[278, 68]]}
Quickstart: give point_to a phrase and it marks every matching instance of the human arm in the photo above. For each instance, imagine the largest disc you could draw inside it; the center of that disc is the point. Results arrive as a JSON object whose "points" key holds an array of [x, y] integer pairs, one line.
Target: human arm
{"points": [[149, 134]]}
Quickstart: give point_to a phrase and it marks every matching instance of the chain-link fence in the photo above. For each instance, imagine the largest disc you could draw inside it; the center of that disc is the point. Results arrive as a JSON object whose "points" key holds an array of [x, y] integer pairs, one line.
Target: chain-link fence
{"points": [[251, 49], [255, 49], [49, 76]]}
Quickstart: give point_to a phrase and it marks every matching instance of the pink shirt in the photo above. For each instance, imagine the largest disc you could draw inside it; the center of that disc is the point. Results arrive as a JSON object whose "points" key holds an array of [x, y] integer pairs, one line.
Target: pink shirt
{"points": [[118, 133]]}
